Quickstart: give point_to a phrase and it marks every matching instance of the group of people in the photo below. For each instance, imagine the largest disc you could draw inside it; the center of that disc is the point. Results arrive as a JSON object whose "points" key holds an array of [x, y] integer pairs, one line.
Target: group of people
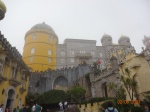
{"points": [[7, 109], [35, 108], [112, 109], [62, 107]]}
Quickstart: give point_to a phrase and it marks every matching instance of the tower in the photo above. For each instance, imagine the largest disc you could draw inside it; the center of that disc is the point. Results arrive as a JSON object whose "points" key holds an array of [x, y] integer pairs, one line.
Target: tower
{"points": [[106, 40], [40, 47], [124, 40]]}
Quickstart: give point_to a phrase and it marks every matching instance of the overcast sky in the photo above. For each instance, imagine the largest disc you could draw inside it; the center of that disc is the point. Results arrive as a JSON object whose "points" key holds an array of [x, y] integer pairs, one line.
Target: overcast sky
{"points": [[78, 19]]}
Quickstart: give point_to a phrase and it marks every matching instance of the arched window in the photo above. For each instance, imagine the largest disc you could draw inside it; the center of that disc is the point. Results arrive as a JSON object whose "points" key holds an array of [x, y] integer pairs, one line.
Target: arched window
{"points": [[50, 39], [49, 60], [62, 53], [31, 59], [93, 53], [100, 54], [32, 50], [34, 37], [62, 60], [71, 52], [49, 52]]}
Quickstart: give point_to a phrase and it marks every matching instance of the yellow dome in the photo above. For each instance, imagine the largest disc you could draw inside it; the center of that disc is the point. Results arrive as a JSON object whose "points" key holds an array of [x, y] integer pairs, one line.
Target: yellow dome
{"points": [[2, 10], [2, 6]]}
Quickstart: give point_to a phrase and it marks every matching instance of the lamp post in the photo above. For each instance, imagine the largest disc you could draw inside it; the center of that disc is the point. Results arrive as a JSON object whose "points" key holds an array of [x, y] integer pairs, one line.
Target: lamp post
{"points": [[2, 10]]}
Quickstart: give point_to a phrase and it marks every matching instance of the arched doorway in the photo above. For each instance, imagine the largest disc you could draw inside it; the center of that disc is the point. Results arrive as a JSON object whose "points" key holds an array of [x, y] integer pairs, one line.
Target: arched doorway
{"points": [[104, 89], [60, 83], [10, 99]]}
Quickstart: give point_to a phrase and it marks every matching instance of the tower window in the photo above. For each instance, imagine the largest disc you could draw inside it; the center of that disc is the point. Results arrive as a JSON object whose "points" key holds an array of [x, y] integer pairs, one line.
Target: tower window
{"points": [[50, 39], [49, 52], [32, 50], [34, 37], [49, 60], [31, 59]]}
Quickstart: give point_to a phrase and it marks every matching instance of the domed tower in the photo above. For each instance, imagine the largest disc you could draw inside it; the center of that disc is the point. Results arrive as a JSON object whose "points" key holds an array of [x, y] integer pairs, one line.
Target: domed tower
{"points": [[2, 10], [124, 40], [40, 48], [106, 40]]}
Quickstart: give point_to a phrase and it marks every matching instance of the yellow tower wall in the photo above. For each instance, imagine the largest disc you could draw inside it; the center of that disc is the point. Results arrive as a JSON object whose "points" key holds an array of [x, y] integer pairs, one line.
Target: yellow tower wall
{"points": [[42, 43]]}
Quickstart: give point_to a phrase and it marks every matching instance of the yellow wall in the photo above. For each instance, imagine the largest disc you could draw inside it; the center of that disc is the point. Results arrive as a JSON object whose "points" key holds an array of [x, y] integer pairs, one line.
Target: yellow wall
{"points": [[6, 86], [140, 67], [89, 108], [42, 44]]}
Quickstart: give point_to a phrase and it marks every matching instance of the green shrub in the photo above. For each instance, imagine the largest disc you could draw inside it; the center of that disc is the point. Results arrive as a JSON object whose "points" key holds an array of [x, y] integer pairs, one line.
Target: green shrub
{"points": [[52, 96]]}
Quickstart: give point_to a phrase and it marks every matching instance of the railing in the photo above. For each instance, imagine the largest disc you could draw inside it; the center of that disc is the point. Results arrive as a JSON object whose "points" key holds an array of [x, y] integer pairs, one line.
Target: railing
{"points": [[83, 55]]}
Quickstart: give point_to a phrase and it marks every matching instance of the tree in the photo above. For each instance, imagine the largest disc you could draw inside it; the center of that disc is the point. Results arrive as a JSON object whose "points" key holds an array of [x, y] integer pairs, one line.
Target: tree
{"points": [[77, 93], [119, 90], [52, 96], [130, 84]]}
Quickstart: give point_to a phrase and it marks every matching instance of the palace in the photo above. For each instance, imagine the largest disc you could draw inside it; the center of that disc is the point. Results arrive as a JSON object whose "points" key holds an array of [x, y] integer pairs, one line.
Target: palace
{"points": [[42, 51]]}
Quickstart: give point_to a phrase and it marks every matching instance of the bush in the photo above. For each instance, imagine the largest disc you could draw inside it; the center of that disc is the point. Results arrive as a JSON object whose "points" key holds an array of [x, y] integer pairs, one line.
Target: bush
{"points": [[52, 96]]}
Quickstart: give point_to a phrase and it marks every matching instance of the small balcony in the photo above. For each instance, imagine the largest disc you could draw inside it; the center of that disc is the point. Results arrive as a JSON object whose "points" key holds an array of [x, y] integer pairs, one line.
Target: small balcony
{"points": [[83, 55], [14, 82], [22, 90], [2, 78]]}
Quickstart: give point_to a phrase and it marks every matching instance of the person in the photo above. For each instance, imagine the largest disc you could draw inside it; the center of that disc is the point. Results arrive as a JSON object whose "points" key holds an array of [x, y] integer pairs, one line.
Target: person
{"points": [[61, 106], [8, 109], [111, 108], [72, 108], [146, 108], [38, 108], [1, 108], [84, 110], [65, 104], [17, 109], [24, 108], [33, 108]]}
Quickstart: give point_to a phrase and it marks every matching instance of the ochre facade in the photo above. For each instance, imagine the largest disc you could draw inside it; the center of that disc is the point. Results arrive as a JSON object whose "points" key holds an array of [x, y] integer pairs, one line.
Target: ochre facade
{"points": [[40, 48], [14, 76]]}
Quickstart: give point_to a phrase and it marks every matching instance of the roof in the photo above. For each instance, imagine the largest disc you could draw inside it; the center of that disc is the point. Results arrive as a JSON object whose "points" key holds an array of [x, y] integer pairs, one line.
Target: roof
{"points": [[42, 26]]}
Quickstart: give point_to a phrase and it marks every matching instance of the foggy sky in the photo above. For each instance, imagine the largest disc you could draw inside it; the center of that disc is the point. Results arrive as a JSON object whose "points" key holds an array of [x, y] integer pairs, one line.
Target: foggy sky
{"points": [[78, 19]]}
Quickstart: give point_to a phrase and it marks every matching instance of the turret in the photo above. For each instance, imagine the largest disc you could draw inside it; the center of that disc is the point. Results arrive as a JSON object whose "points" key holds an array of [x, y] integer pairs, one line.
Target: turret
{"points": [[106, 40], [124, 40]]}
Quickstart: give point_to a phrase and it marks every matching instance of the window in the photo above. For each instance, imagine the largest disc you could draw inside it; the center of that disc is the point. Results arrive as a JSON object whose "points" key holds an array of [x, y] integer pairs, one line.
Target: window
{"points": [[72, 60], [50, 39], [62, 60], [34, 37], [93, 53], [100, 54], [62, 53], [82, 51], [49, 60], [72, 53], [49, 52], [31, 59], [32, 50]]}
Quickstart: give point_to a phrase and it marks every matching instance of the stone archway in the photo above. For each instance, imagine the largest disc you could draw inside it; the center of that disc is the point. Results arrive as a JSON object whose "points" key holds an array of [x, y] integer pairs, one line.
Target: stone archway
{"points": [[10, 97], [60, 83]]}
